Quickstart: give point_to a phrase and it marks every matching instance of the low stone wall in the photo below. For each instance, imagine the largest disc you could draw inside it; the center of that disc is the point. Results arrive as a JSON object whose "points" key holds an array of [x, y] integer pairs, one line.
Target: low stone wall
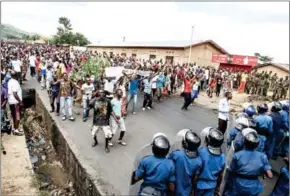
{"points": [[67, 153]]}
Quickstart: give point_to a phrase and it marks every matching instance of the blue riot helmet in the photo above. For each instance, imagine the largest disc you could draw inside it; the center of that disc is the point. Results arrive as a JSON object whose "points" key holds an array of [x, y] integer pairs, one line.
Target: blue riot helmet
{"points": [[276, 107], [285, 105], [262, 108], [250, 111], [160, 145]]}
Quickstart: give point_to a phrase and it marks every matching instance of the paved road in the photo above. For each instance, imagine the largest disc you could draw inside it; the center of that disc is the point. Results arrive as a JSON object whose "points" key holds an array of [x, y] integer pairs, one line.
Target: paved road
{"points": [[116, 166]]}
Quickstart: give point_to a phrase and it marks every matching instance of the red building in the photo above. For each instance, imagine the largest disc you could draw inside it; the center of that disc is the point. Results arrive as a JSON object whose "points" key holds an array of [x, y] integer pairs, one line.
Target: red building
{"points": [[235, 62]]}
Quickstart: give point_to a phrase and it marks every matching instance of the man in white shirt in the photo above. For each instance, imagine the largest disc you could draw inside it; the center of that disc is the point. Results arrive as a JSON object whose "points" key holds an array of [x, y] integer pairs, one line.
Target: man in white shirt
{"points": [[16, 67], [207, 76], [224, 112], [32, 65], [15, 102], [87, 91], [109, 88]]}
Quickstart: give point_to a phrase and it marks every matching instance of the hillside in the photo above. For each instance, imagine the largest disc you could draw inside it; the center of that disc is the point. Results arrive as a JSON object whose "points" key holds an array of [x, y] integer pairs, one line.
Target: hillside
{"points": [[11, 32]]}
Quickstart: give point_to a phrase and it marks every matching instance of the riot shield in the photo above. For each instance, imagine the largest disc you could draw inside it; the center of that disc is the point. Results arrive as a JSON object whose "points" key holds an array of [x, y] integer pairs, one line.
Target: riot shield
{"points": [[144, 151], [177, 145]]}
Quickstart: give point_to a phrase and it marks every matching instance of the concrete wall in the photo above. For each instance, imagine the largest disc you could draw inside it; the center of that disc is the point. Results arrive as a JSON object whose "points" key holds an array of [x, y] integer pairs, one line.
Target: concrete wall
{"points": [[280, 73], [201, 54], [68, 155]]}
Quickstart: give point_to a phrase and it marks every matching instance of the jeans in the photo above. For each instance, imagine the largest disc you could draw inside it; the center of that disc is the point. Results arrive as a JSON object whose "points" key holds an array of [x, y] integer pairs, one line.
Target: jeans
{"points": [[32, 71], [187, 100], [66, 103], [85, 108], [147, 100], [129, 99], [2, 115], [54, 99]]}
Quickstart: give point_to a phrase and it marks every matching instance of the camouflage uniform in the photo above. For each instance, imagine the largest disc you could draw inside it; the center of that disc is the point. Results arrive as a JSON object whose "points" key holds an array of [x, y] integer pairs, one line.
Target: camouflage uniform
{"points": [[261, 87], [256, 84], [274, 79], [249, 83], [278, 87], [285, 87]]}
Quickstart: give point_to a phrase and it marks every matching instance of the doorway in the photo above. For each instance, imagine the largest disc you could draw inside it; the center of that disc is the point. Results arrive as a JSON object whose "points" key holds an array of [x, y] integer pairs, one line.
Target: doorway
{"points": [[169, 59]]}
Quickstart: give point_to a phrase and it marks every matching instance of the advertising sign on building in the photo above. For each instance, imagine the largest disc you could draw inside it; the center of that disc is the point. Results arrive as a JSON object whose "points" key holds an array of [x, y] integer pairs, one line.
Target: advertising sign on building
{"points": [[219, 58], [244, 60]]}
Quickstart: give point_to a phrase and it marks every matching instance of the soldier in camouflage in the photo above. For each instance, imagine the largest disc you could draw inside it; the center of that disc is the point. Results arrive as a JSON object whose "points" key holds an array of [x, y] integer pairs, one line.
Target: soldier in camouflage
{"points": [[278, 87], [262, 83], [249, 83], [274, 79], [285, 87]]}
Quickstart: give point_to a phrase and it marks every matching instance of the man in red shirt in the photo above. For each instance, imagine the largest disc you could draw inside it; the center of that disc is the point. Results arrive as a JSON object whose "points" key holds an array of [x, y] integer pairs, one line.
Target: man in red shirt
{"points": [[188, 82]]}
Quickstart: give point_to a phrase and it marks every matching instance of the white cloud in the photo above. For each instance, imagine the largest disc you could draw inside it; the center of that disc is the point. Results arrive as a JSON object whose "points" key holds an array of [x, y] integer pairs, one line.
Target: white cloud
{"points": [[158, 21]]}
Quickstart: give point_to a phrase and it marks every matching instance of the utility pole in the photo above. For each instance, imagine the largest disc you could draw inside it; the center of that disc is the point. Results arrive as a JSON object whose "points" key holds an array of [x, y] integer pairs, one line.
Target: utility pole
{"points": [[191, 36]]}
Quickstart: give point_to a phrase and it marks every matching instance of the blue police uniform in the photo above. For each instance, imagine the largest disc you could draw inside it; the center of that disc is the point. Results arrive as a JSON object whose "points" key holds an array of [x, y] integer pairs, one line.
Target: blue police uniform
{"points": [[212, 165], [264, 127], [282, 186], [285, 127], [233, 133], [156, 173], [186, 168], [239, 143], [277, 136], [245, 168]]}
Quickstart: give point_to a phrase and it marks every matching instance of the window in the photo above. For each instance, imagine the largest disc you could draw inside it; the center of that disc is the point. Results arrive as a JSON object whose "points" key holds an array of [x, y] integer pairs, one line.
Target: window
{"points": [[152, 56], [123, 54], [111, 54], [134, 55]]}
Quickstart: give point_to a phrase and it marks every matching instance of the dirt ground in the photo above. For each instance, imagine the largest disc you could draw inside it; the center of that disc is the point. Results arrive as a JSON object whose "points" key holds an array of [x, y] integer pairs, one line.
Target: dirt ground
{"points": [[236, 103], [16, 169]]}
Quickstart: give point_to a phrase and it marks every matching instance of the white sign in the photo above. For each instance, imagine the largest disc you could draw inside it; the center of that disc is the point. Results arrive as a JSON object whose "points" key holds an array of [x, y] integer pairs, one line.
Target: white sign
{"points": [[114, 72], [79, 48]]}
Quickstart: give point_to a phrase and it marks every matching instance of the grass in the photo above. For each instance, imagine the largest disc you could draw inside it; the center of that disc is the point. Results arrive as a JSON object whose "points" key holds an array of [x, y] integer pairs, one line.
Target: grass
{"points": [[35, 182]]}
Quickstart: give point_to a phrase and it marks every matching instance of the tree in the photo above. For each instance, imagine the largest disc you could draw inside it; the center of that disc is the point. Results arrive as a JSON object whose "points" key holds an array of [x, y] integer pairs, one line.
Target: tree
{"points": [[263, 59], [65, 35]]}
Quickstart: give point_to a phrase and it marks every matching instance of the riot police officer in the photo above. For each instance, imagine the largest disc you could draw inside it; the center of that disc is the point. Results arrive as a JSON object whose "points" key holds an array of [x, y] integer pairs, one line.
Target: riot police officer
{"points": [[277, 137], [285, 127], [264, 127], [241, 123], [282, 185], [156, 170], [246, 167], [188, 164], [210, 178], [250, 111]]}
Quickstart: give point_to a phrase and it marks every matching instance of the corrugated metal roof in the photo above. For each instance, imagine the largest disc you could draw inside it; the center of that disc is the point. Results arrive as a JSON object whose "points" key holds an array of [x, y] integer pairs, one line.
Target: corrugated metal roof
{"points": [[282, 66], [174, 43]]}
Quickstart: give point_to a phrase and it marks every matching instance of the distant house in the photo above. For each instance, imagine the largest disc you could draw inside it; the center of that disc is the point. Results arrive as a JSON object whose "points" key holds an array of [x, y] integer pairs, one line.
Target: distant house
{"points": [[170, 51], [282, 70]]}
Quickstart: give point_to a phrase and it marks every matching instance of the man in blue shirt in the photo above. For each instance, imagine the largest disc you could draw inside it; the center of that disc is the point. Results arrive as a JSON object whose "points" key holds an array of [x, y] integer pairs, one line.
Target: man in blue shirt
{"points": [[246, 167], [133, 91], [213, 162], [188, 164], [160, 85], [157, 172]]}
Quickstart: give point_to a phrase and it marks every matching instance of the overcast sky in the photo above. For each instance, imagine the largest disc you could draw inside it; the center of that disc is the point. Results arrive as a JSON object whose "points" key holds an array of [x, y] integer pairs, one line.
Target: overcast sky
{"points": [[240, 28]]}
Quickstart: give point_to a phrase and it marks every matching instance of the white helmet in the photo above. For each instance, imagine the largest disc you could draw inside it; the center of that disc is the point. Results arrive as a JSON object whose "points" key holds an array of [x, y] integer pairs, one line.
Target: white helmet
{"points": [[248, 130], [242, 123], [157, 135]]}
